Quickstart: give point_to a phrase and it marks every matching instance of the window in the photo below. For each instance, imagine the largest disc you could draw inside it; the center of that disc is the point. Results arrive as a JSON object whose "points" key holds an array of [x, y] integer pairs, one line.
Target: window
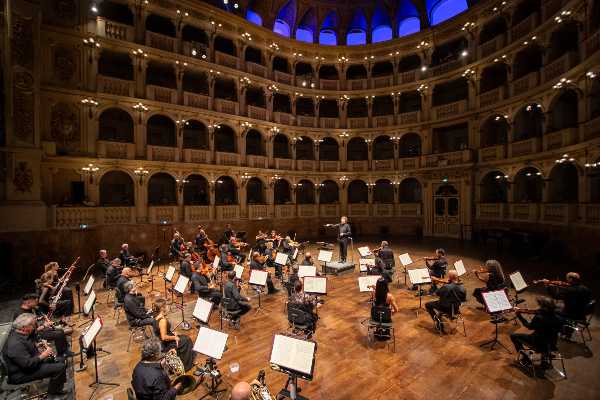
{"points": [[408, 26], [443, 10], [356, 37], [282, 28], [253, 17], [327, 37], [304, 35], [381, 34]]}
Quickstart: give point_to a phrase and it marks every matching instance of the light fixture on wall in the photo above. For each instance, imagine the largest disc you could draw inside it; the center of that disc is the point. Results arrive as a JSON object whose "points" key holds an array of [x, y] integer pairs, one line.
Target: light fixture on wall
{"points": [[246, 36], [141, 108], [94, 8], [319, 186], [181, 182], [181, 123], [245, 126], [90, 104], [92, 44], [343, 180], [141, 172], [274, 47], [564, 159], [90, 171], [139, 55], [274, 179], [562, 84], [244, 178], [564, 15]]}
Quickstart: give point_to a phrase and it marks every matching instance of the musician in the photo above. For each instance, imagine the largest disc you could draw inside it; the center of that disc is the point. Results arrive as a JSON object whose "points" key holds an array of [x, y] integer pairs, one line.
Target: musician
{"points": [[234, 250], [573, 293], [344, 233], [237, 302], [127, 260], [241, 391], [45, 328], [261, 242], [308, 260], [384, 305], [493, 277], [386, 254], [287, 246], [437, 267], [205, 288], [175, 246], [103, 262], [546, 325], [258, 262], [451, 295], [133, 304], [380, 269], [228, 233], [150, 381], [200, 240], [26, 363], [120, 290], [170, 341], [275, 238], [113, 273], [292, 279], [226, 260], [305, 302], [186, 269], [48, 287]]}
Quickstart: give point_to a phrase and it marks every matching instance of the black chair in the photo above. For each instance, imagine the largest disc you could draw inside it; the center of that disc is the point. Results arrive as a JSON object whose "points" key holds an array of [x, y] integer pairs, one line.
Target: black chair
{"points": [[453, 317], [301, 322], [380, 325], [582, 326], [538, 356], [231, 316]]}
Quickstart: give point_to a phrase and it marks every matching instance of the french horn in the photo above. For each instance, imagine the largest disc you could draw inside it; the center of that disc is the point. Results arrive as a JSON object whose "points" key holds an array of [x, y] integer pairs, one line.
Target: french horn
{"points": [[176, 370]]}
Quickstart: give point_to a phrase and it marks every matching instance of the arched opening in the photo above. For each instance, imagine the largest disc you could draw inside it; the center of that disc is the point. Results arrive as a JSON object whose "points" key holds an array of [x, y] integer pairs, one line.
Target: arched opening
{"points": [[358, 192], [282, 103], [564, 112], [528, 123], [449, 51], [285, 19], [160, 131], [305, 192], [409, 191], [358, 108], [225, 89], [159, 24], [382, 68], [492, 29], [196, 36], [528, 186], [195, 135], [281, 64], [594, 183], [255, 191], [282, 192], [442, 10], [328, 108], [329, 149], [329, 192], [116, 190], [410, 102], [328, 72], [451, 138], [281, 28], [225, 45], [381, 25], [356, 71], [305, 149], [254, 143], [563, 185], [494, 188], [357, 149], [407, 18], [253, 55], [409, 63], [255, 96], [594, 98], [225, 139], [524, 9], [564, 40], [225, 191], [493, 76], [281, 146], [305, 106], [383, 105], [595, 17], [383, 192], [327, 33], [115, 65], [162, 190], [304, 72], [195, 82], [195, 191], [159, 74], [307, 27], [410, 145], [527, 61], [494, 131], [254, 17], [357, 30], [383, 148], [115, 125], [115, 12], [449, 92]]}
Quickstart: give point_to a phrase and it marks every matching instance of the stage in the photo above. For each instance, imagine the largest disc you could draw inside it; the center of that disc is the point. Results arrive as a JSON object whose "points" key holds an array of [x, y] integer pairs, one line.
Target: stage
{"points": [[425, 365]]}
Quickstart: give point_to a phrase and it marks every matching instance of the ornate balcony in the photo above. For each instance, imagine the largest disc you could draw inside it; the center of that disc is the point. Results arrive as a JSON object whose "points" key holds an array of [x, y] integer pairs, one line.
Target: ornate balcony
{"points": [[592, 129], [410, 76], [357, 84], [447, 159], [358, 210], [307, 210], [449, 110], [197, 156], [227, 106], [491, 46], [524, 27], [329, 84], [162, 214], [383, 165], [162, 153], [283, 211], [306, 121], [447, 67], [329, 210], [558, 139], [383, 81], [410, 210], [358, 123], [114, 30], [492, 211], [561, 214], [257, 112], [223, 158], [282, 77], [254, 161], [118, 87], [382, 210], [592, 44], [196, 100], [256, 69], [258, 211], [591, 214], [410, 118], [159, 41], [284, 163], [525, 83], [227, 213], [559, 66], [383, 120], [357, 165], [329, 166], [227, 60], [524, 212], [195, 214], [492, 153], [305, 165], [329, 123], [162, 94], [524, 147], [283, 118], [491, 97], [73, 217], [108, 149], [409, 162]]}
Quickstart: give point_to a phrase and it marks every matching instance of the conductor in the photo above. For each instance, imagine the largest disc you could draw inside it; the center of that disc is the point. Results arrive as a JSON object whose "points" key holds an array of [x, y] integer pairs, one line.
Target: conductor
{"points": [[344, 233]]}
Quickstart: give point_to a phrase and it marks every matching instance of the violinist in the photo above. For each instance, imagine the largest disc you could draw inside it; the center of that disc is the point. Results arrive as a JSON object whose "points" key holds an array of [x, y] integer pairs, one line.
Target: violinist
{"points": [[287, 246], [205, 288], [200, 240], [237, 302], [451, 295], [235, 250], [228, 233], [573, 293], [175, 246], [493, 277], [113, 272], [258, 262], [227, 261], [386, 254], [127, 260], [275, 238], [261, 241], [380, 269], [437, 267], [103, 262], [186, 269]]}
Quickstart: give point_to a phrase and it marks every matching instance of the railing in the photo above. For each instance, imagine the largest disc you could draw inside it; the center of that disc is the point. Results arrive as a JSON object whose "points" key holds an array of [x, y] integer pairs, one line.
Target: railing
{"points": [[383, 120], [116, 86], [329, 210], [108, 149], [227, 106], [226, 213], [283, 118], [159, 41], [525, 83], [524, 27], [524, 212], [492, 153], [491, 97], [559, 213], [197, 156], [329, 84], [329, 123], [383, 81], [162, 153], [524, 147], [162, 94], [409, 210], [559, 66], [409, 76], [116, 215], [258, 211], [408, 162], [196, 100], [256, 69], [446, 67], [446, 159], [410, 117], [282, 77], [558, 139], [223, 158], [329, 166], [226, 60], [284, 163], [357, 165], [257, 112], [306, 121], [162, 214], [255, 161], [358, 210], [356, 84], [73, 217], [194, 214], [551, 7], [383, 165], [592, 129], [449, 110], [591, 214], [491, 46], [383, 210], [114, 30], [195, 49], [305, 165], [356, 123], [307, 210], [285, 211], [592, 44], [491, 211]]}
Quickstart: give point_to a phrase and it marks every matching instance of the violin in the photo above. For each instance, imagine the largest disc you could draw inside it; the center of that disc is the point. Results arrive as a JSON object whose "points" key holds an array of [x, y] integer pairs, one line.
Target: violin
{"points": [[525, 311], [552, 283]]}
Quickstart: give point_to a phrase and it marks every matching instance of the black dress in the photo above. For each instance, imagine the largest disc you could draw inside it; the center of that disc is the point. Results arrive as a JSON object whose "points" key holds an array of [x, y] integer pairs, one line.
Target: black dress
{"points": [[185, 350]]}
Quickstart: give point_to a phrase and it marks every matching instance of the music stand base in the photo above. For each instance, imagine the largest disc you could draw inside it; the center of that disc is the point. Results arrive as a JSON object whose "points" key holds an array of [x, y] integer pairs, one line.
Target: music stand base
{"points": [[96, 386], [285, 394]]}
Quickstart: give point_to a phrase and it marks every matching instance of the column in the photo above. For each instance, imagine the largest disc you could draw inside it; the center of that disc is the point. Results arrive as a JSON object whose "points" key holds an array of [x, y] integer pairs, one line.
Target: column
{"points": [[269, 148], [426, 102], [241, 148], [243, 196], [317, 106], [396, 100], [140, 65], [472, 102], [341, 69], [211, 142], [269, 95], [269, 60], [211, 91], [370, 153], [370, 110], [92, 54], [344, 200], [139, 133], [141, 200], [212, 208], [139, 23], [270, 197], [343, 112], [179, 72], [242, 98]]}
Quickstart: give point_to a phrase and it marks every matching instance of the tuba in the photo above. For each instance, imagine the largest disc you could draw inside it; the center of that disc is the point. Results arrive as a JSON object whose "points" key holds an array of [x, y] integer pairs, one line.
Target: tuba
{"points": [[260, 391], [175, 369]]}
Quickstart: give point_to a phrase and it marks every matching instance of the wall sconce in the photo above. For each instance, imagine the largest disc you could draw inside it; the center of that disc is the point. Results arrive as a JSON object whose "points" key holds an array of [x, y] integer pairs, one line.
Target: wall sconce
{"points": [[367, 58], [215, 26], [396, 185], [274, 131], [591, 74], [164, 221], [274, 179], [141, 173], [247, 36], [370, 186], [397, 53], [319, 58], [91, 105], [500, 7], [531, 107], [89, 170], [344, 135], [245, 126], [181, 183], [422, 89], [469, 27], [245, 82], [274, 47], [565, 158], [526, 42], [562, 16], [296, 187], [319, 186], [503, 58], [272, 88], [141, 108], [469, 74], [245, 178], [139, 55], [181, 123], [180, 16], [91, 44], [307, 81], [562, 84], [297, 55], [344, 180]]}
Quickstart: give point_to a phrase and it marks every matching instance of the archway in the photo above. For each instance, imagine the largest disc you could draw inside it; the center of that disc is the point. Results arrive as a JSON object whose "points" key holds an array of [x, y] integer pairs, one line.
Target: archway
{"points": [[305, 192], [225, 191], [160, 131], [255, 191], [383, 192], [162, 190], [116, 125], [358, 192], [195, 191], [493, 188], [563, 185], [329, 192], [116, 190], [528, 186], [282, 192], [357, 149]]}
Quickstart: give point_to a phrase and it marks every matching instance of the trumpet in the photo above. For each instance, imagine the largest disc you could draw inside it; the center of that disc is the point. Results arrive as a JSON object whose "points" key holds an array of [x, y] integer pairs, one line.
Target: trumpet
{"points": [[259, 390]]}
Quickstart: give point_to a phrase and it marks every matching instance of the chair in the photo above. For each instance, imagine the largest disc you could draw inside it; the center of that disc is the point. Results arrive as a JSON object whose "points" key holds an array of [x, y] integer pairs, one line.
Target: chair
{"points": [[454, 316], [136, 330], [231, 316], [118, 306], [582, 326], [377, 325], [538, 357], [131, 394], [300, 321]]}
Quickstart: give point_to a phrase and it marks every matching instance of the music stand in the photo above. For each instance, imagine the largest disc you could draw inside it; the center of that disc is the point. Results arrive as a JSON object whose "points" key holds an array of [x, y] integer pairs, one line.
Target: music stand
{"points": [[364, 283], [296, 358], [306, 270], [180, 287], [202, 310], [419, 277], [496, 302], [168, 277], [151, 277], [325, 257], [519, 284], [405, 260], [364, 264], [258, 279], [88, 339], [212, 344], [88, 307]]}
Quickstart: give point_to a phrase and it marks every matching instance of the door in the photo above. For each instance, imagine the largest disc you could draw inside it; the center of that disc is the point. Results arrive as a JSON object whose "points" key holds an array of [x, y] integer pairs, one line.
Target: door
{"points": [[446, 211]]}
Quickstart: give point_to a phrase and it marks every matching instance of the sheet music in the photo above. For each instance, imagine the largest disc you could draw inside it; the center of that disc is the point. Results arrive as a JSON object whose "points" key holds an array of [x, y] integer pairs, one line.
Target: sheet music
{"points": [[459, 266], [89, 303], [325, 255], [202, 310], [364, 263], [496, 301], [149, 270], [281, 259], [405, 259], [365, 281], [89, 285], [364, 251], [216, 262], [315, 284], [210, 342], [239, 270], [517, 281], [170, 273], [292, 353], [181, 284], [258, 277], [306, 270], [92, 332], [419, 275]]}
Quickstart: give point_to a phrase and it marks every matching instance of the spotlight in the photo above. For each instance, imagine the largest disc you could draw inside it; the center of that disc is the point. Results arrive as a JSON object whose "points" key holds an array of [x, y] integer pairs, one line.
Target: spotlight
{"points": [[464, 53], [94, 8]]}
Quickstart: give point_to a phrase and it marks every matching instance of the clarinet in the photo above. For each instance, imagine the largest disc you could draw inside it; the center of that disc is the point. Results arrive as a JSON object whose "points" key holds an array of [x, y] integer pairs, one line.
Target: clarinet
{"points": [[63, 283]]}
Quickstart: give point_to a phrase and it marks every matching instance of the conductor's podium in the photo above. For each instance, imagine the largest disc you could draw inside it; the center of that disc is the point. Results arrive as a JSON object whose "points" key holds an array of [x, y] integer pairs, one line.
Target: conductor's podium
{"points": [[337, 268]]}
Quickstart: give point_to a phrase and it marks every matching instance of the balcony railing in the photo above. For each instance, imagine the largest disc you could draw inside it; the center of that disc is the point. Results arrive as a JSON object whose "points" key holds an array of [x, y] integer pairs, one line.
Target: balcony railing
{"points": [[447, 159], [160, 41], [329, 166], [410, 117], [562, 138], [256, 69], [283, 118], [108, 149], [551, 7], [356, 84], [559, 66], [227, 213], [285, 211], [524, 27], [591, 214], [306, 121], [258, 211], [227, 60], [329, 123], [196, 100], [255, 161], [329, 84], [162, 153], [491, 97], [227, 106], [305, 165], [525, 83], [283, 163], [162, 214], [75, 217], [358, 123], [195, 214], [409, 76], [524, 212], [592, 44], [114, 30], [383, 210], [383, 81], [492, 211], [329, 210], [491, 46], [116, 86], [409, 210], [524, 147], [257, 112], [446, 67], [162, 94], [282, 77], [559, 213], [358, 210], [383, 165], [592, 129], [409, 162], [197, 156], [492, 153], [449, 110], [357, 165], [223, 158], [383, 120], [307, 210]]}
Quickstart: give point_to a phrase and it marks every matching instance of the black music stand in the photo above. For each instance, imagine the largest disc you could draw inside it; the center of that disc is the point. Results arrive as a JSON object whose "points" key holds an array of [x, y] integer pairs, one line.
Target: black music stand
{"points": [[212, 344], [258, 279], [170, 272], [291, 389], [97, 382], [419, 277], [180, 287], [496, 302]]}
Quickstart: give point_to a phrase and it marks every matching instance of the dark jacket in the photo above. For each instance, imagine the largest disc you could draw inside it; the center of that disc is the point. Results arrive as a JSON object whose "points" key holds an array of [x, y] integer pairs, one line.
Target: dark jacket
{"points": [[185, 269], [344, 232], [231, 291], [20, 354], [151, 382], [134, 307], [387, 256], [452, 294], [575, 298]]}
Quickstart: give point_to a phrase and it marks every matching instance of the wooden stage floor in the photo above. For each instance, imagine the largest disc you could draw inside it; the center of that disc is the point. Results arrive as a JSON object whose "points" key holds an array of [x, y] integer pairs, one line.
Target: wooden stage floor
{"points": [[424, 366]]}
